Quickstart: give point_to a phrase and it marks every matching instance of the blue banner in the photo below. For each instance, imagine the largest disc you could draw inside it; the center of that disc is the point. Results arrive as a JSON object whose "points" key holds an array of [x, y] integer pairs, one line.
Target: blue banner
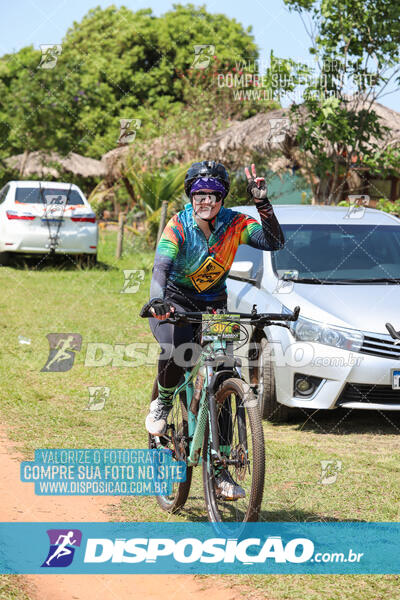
{"points": [[103, 472], [313, 548]]}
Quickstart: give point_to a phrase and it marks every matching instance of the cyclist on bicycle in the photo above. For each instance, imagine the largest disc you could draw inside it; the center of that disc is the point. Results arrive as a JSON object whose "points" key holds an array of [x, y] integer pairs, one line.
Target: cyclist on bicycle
{"points": [[192, 262]]}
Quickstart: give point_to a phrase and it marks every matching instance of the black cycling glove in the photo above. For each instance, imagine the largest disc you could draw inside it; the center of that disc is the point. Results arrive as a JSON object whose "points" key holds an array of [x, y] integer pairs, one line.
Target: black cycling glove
{"points": [[160, 306], [257, 193], [259, 196]]}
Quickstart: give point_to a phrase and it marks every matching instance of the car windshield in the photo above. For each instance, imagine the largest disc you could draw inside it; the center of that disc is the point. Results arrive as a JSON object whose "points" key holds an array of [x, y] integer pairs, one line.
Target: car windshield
{"points": [[26, 195], [339, 253]]}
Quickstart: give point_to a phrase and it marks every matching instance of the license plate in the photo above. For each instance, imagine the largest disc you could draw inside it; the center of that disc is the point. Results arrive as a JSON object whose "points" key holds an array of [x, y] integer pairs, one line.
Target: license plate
{"points": [[53, 220], [217, 327], [396, 379]]}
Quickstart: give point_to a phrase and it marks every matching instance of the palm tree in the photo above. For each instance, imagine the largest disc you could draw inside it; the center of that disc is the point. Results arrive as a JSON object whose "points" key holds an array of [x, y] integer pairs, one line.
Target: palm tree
{"points": [[152, 187]]}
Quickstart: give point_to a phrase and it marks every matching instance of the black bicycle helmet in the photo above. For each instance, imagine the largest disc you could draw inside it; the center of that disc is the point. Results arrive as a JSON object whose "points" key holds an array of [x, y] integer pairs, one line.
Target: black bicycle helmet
{"points": [[206, 168]]}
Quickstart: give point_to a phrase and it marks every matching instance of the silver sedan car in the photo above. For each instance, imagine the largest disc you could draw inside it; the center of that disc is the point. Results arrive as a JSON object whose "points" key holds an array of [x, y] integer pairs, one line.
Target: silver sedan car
{"points": [[38, 217], [343, 269]]}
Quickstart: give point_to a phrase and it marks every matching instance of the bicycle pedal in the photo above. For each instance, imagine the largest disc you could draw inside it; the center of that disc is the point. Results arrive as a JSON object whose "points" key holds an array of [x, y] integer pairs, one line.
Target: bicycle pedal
{"points": [[226, 498]]}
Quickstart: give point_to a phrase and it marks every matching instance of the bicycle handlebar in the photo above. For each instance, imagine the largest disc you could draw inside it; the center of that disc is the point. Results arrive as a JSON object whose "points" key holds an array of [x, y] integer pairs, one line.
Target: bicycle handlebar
{"points": [[394, 334], [254, 318]]}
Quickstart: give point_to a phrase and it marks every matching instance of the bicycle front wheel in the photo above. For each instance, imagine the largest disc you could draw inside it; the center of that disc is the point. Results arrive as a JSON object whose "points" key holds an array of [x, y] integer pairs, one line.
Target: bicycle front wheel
{"points": [[241, 442], [176, 440]]}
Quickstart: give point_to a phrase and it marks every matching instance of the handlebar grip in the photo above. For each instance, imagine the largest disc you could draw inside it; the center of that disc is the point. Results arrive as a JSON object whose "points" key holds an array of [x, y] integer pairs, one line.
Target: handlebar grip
{"points": [[392, 331], [145, 311], [296, 313]]}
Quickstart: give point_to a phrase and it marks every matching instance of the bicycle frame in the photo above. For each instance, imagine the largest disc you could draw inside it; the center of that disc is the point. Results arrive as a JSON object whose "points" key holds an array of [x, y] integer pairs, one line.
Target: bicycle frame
{"points": [[219, 408], [213, 353]]}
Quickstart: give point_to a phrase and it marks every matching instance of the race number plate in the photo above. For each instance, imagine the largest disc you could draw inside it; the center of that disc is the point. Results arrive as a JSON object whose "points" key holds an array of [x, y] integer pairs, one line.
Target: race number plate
{"points": [[217, 327], [396, 379]]}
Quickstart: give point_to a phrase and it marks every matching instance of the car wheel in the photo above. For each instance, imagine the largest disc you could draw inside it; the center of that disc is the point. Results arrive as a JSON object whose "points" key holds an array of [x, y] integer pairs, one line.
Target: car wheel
{"points": [[270, 409], [87, 260], [4, 258], [91, 260]]}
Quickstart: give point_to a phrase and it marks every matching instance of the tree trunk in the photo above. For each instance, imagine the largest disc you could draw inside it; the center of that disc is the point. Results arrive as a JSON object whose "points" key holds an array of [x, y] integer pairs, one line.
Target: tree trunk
{"points": [[23, 163], [323, 190], [120, 236], [332, 192], [163, 219], [130, 190]]}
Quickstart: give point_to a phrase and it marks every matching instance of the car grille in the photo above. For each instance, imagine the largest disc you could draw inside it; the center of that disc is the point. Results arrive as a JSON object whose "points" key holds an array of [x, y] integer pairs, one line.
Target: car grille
{"points": [[365, 392], [382, 346]]}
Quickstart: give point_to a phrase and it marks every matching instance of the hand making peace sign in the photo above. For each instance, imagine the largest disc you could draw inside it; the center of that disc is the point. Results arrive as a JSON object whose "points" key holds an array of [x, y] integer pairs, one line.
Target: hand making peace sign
{"points": [[256, 186]]}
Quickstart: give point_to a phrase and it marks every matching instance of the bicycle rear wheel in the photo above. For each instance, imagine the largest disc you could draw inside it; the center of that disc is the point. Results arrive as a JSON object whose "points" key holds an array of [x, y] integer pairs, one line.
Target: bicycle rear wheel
{"points": [[241, 440], [176, 440]]}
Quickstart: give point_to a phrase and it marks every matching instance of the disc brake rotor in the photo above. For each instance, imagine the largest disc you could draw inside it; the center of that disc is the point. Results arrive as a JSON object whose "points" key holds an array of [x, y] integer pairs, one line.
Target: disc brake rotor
{"points": [[240, 455]]}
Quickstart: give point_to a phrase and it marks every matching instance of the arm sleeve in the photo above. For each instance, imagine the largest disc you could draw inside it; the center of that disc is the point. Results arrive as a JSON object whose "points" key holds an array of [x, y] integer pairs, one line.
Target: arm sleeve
{"points": [[166, 252], [268, 235]]}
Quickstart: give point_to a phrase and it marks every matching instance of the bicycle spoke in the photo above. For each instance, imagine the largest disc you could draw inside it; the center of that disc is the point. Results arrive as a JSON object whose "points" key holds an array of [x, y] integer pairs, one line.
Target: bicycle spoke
{"points": [[241, 444], [175, 440]]}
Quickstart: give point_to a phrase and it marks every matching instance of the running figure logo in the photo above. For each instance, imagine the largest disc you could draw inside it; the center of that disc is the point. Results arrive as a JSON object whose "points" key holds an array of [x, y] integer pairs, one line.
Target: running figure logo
{"points": [[50, 54], [329, 471], [202, 56], [133, 278], [62, 550], [62, 351], [97, 397], [128, 129]]}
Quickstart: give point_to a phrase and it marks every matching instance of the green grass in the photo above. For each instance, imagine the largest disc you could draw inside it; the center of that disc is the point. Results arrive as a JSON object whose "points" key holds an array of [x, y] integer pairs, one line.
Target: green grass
{"points": [[12, 588], [48, 410]]}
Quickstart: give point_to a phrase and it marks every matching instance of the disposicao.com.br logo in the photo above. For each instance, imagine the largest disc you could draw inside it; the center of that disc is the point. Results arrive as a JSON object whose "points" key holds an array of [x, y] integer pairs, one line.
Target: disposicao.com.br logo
{"points": [[213, 550], [153, 547], [62, 547], [190, 550], [247, 551]]}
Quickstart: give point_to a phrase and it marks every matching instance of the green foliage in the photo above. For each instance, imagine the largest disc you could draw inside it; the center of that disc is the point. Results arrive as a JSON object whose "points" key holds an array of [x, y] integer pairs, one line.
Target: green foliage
{"points": [[153, 221], [382, 204], [152, 187], [357, 47], [388, 206], [385, 161], [114, 64], [355, 28]]}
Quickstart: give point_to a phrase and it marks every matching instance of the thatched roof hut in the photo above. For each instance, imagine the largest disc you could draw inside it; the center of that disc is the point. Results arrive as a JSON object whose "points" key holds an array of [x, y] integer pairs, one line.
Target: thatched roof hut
{"points": [[50, 163], [172, 149], [244, 137], [267, 132], [114, 162]]}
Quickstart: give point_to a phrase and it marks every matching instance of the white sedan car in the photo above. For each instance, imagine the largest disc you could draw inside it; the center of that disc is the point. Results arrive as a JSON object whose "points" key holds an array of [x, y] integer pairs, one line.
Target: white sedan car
{"points": [[343, 270], [38, 217]]}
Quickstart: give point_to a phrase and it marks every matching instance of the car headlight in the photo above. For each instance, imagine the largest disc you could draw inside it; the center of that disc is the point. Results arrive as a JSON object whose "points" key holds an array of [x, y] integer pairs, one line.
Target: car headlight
{"points": [[307, 330]]}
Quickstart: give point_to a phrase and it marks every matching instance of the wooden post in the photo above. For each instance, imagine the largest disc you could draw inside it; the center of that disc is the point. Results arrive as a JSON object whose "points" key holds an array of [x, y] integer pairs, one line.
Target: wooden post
{"points": [[393, 186], [163, 219], [120, 236]]}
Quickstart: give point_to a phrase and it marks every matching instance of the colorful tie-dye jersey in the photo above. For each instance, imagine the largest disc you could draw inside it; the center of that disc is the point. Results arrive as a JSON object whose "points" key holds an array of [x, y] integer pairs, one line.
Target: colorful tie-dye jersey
{"points": [[198, 268]]}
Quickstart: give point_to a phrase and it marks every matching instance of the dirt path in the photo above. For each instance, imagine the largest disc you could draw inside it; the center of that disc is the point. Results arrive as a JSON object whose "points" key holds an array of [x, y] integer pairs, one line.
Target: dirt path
{"points": [[19, 503]]}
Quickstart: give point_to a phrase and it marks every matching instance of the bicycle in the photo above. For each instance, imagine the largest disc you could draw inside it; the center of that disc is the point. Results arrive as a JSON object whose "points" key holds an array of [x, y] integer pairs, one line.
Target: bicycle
{"points": [[215, 417]]}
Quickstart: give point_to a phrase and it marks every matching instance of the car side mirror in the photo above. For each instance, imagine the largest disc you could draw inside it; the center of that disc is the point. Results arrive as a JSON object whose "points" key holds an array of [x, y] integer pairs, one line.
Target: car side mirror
{"points": [[241, 270]]}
